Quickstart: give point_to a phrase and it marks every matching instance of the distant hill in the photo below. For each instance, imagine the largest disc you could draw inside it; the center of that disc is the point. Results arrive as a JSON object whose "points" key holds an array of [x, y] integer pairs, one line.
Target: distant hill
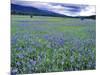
{"points": [[27, 10], [91, 17]]}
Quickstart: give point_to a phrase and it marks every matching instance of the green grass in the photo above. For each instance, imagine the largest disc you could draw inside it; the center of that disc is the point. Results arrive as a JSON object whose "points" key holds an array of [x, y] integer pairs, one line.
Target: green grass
{"points": [[54, 43]]}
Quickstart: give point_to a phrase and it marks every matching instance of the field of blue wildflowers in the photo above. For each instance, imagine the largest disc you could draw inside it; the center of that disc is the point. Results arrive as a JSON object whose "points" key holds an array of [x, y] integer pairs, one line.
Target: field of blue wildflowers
{"points": [[52, 44]]}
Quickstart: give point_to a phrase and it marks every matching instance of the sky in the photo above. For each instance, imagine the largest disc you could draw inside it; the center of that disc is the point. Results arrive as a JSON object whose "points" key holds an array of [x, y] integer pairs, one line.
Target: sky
{"points": [[65, 7], [89, 2]]}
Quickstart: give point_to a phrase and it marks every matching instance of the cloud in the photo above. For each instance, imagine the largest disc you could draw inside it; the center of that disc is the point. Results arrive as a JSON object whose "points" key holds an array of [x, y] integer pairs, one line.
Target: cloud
{"points": [[63, 10], [88, 11]]}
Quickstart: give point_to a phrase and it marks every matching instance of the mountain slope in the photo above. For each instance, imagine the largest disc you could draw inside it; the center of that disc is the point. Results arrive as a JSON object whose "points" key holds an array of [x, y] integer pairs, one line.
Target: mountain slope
{"points": [[27, 10]]}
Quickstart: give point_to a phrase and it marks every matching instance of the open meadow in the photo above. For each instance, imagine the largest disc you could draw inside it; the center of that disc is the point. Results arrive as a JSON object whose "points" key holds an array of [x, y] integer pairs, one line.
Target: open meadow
{"points": [[52, 44]]}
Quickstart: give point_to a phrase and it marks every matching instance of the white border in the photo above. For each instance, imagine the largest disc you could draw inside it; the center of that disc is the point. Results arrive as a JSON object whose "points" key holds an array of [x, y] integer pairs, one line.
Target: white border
{"points": [[4, 37], [5, 43]]}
